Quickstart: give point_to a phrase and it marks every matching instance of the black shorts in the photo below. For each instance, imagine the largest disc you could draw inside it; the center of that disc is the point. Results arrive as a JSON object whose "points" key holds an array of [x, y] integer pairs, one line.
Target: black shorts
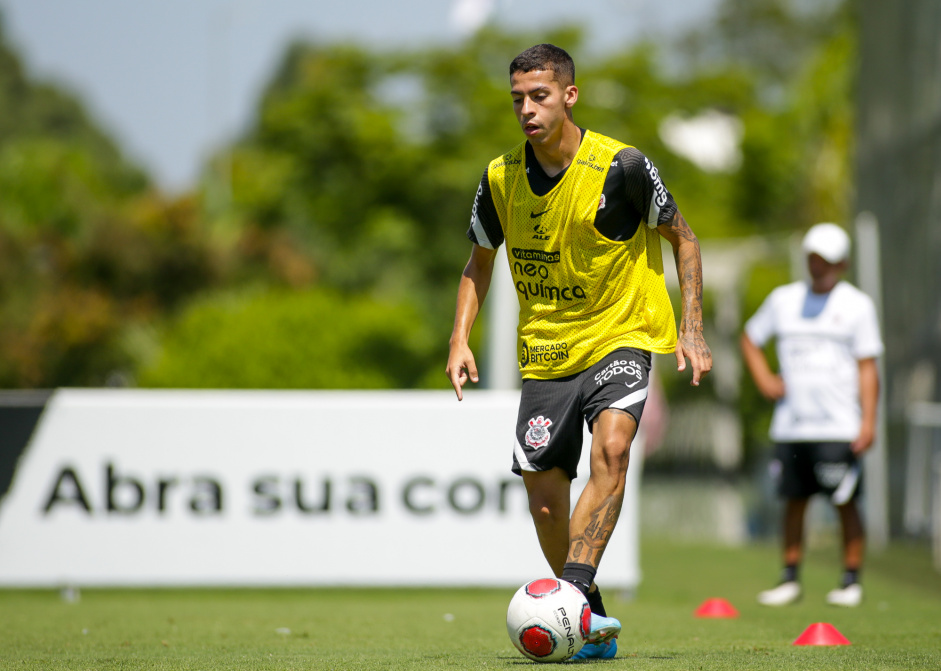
{"points": [[828, 468], [549, 425]]}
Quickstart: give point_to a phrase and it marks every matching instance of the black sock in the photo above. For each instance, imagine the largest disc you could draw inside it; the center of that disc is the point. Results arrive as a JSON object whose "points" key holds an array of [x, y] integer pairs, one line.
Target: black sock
{"points": [[850, 577], [594, 602], [789, 574], [580, 575]]}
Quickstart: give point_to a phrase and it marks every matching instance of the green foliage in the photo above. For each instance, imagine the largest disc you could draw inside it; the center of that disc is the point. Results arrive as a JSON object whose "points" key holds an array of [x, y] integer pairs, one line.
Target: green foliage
{"points": [[66, 302], [795, 64], [771, 38], [312, 339], [34, 111], [354, 187], [33, 168], [369, 163], [63, 188]]}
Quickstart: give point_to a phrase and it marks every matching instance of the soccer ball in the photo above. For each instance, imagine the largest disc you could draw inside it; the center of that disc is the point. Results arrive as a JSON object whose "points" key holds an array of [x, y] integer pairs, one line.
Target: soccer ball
{"points": [[548, 620]]}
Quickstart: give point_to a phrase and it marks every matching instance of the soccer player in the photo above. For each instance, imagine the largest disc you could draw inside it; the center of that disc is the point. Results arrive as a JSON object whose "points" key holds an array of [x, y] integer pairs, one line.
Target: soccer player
{"points": [[580, 214], [827, 340]]}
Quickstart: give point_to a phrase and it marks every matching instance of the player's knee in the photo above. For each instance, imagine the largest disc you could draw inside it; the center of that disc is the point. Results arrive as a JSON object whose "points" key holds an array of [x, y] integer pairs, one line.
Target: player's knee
{"points": [[547, 510], [614, 452], [613, 435], [543, 515]]}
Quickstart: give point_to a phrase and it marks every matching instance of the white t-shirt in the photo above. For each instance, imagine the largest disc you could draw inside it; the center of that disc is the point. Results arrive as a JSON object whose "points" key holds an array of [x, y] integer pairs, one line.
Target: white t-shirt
{"points": [[820, 340]]}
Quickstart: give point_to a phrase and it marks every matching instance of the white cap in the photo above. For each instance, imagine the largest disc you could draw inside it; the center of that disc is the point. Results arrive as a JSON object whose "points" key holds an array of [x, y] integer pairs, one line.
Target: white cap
{"points": [[829, 241]]}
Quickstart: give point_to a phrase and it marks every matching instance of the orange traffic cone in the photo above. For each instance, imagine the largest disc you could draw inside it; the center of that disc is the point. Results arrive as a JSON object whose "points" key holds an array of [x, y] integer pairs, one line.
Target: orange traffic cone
{"points": [[821, 633], [716, 608]]}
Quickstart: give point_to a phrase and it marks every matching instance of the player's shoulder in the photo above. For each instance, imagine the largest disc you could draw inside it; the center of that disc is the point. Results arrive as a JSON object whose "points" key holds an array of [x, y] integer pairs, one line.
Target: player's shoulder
{"points": [[509, 159], [853, 295], [790, 291], [635, 165], [605, 141], [848, 289], [786, 298], [633, 159]]}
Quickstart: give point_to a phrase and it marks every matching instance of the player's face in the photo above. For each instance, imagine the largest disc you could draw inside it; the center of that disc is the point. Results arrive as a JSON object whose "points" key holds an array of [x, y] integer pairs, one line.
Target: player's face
{"points": [[541, 104], [822, 272]]}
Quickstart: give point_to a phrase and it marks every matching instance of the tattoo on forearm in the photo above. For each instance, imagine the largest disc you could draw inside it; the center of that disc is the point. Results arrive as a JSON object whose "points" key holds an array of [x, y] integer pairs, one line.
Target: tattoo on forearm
{"points": [[679, 226], [689, 272], [692, 325]]}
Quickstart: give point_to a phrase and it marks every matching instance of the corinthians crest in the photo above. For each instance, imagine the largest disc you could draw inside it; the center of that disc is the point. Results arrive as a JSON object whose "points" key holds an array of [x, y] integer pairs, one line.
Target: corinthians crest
{"points": [[538, 434]]}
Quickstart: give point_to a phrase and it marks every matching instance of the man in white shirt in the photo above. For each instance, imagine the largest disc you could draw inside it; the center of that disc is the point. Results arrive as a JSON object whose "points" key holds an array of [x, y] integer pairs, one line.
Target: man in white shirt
{"points": [[827, 341]]}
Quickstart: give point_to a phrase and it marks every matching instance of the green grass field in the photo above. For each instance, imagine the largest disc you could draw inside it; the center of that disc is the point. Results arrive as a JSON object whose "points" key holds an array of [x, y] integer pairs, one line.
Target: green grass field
{"points": [[898, 626]]}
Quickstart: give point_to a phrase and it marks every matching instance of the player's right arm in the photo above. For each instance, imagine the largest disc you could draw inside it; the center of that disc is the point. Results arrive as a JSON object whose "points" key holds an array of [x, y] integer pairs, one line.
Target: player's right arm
{"points": [[770, 384], [471, 292]]}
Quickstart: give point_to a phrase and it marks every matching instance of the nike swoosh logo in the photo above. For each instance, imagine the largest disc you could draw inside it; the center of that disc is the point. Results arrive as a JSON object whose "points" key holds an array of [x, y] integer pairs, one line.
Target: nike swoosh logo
{"points": [[533, 215]]}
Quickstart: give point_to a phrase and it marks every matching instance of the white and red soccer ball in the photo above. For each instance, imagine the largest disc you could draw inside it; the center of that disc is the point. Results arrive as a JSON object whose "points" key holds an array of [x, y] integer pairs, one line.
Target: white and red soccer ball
{"points": [[548, 620]]}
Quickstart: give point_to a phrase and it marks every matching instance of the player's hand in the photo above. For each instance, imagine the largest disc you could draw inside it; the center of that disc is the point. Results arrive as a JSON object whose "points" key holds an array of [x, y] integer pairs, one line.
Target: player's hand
{"points": [[461, 368], [693, 346], [771, 387], [863, 441]]}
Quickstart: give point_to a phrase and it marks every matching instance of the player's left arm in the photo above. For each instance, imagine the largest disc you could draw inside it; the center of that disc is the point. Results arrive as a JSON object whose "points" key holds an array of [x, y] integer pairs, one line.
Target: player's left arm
{"points": [[690, 342], [868, 402]]}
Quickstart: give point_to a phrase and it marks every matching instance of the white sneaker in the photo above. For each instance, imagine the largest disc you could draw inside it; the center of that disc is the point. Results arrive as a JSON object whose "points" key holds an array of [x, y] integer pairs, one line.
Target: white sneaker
{"points": [[849, 596], [782, 595]]}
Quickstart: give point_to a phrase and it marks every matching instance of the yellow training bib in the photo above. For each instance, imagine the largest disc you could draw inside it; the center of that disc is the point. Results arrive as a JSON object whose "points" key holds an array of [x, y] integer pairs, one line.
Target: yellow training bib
{"points": [[581, 295]]}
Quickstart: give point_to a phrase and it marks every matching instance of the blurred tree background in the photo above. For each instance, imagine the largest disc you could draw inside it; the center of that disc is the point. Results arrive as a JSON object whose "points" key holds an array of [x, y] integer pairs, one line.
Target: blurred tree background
{"points": [[322, 249]]}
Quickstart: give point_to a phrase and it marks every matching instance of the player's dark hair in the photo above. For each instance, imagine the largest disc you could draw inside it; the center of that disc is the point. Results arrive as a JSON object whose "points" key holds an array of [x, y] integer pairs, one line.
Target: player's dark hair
{"points": [[546, 57]]}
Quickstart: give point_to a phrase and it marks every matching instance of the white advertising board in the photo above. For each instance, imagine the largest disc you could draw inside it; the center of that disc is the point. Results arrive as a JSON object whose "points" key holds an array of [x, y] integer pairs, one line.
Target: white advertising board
{"points": [[154, 488]]}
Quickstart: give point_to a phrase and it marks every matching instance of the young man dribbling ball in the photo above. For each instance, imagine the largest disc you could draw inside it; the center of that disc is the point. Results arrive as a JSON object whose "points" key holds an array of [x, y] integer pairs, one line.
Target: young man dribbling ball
{"points": [[581, 215]]}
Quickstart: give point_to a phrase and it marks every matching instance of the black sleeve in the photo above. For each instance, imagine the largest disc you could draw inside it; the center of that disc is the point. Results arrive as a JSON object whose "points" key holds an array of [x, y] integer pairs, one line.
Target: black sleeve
{"points": [[644, 188], [485, 229]]}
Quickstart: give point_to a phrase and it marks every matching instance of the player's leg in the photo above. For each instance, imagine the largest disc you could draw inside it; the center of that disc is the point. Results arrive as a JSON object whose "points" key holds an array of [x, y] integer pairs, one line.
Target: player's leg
{"points": [[845, 497], [850, 592], [793, 537], [546, 454], [599, 505], [840, 477], [593, 522], [549, 495], [614, 392], [788, 590], [853, 535], [796, 484]]}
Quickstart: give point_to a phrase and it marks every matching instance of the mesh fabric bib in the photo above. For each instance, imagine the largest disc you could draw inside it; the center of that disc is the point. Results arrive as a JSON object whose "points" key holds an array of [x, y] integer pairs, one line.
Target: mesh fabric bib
{"points": [[581, 295]]}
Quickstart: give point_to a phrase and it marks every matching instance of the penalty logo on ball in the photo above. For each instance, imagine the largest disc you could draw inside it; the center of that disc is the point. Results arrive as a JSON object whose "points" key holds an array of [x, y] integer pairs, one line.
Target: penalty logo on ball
{"points": [[548, 620]]}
